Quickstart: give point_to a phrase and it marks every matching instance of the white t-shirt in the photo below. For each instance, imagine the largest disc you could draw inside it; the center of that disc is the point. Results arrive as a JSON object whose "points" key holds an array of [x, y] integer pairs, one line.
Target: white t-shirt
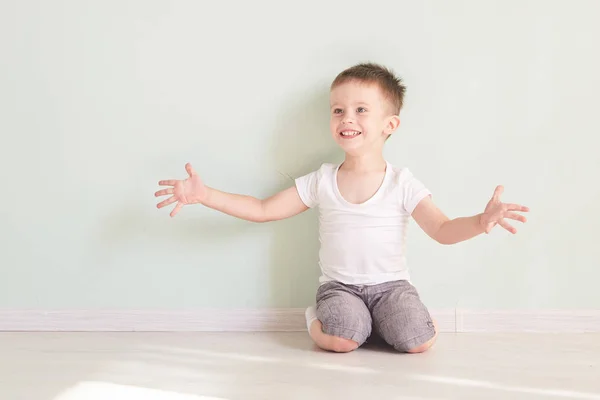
{"points": [[362, 244]]}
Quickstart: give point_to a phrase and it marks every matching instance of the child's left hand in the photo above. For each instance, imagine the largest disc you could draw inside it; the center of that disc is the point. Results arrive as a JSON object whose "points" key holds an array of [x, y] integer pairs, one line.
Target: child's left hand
{"points": [[496, 211]]}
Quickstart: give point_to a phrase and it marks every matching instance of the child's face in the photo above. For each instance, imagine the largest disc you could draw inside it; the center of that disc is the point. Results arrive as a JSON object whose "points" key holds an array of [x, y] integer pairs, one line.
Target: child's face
{"points": [[361, 118]]}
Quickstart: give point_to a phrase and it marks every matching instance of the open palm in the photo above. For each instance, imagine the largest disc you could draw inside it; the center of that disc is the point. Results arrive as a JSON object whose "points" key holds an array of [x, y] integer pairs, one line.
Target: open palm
{"points": [[188, 191], [496, 212]]}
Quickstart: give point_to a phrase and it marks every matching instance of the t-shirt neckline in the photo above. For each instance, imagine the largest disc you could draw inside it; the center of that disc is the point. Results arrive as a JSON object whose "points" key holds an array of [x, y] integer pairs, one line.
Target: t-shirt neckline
{"points": [[370, 199]]}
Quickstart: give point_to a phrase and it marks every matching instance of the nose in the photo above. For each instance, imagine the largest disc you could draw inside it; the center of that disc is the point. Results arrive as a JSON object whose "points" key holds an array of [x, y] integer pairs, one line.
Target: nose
{"points": [[348, 119]]}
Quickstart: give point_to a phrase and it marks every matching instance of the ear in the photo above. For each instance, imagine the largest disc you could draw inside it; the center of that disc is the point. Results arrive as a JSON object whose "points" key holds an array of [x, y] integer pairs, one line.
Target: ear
{"points": [[391, 125]]}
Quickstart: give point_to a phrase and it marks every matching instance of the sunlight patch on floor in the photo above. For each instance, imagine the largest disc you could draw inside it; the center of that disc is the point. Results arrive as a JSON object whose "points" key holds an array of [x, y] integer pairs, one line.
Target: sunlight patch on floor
{"points": [[520, 389], [263, 359], [112, 391]]}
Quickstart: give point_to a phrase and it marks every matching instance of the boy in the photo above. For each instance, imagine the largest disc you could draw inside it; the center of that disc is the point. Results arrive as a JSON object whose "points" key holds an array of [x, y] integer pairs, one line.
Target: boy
{"points": [[364, 205]]}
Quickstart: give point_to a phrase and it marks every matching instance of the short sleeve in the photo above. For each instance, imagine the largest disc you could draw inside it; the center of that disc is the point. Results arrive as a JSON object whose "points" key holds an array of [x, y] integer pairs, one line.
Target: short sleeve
{"points": [[307, 187], [412, 191]]}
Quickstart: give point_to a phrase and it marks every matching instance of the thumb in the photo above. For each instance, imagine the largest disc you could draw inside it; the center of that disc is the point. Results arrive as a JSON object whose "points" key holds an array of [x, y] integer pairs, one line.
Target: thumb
{"points": [[190, 170], [489, 227], [499, 190]]}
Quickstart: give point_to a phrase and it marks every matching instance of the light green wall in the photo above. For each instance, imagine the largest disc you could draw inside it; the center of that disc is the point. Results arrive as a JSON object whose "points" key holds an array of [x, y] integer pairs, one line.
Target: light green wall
{"points": [[100, 100]]}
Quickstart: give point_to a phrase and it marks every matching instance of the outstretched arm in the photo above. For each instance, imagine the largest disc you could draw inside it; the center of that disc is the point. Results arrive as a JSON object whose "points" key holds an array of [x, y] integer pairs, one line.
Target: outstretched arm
{"points": [[192, 190], [449, 231]]}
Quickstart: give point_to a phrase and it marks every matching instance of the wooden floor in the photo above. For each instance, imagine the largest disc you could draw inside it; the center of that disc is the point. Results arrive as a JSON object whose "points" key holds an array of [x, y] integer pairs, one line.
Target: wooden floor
{"points": [[209, 366]]}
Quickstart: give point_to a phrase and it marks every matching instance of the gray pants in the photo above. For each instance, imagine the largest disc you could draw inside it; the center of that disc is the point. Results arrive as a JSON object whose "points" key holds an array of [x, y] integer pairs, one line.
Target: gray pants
{"points": [[392, 309]]}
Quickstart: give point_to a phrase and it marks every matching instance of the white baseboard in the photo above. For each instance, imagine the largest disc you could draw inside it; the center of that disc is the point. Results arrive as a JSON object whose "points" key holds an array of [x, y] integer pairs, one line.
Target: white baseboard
{"points": [[282, 320], [547, 321], [235, 320]]}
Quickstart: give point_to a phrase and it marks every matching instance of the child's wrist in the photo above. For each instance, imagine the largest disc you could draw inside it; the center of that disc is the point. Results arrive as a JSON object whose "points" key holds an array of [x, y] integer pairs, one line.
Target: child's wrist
{"points": [[204, 198], [481, 222]]}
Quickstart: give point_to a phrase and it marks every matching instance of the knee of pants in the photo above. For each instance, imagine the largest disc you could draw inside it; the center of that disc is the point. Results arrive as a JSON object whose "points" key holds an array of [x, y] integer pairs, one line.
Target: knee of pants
{"points": [[405, 335], [342, 313], [344, 317], [346, 323]]}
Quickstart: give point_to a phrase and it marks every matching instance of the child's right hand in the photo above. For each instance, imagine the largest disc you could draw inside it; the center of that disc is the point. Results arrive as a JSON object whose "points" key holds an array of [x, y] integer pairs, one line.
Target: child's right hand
{"points": [[189, 191]]}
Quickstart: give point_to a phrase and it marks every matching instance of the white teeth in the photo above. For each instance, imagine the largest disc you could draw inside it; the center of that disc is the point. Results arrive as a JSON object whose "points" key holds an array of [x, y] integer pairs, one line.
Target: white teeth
{"points": [[350, 133]]}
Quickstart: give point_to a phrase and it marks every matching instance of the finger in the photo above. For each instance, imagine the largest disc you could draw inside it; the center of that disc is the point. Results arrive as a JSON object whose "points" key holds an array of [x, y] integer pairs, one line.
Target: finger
{"points": [[507, 226], [516, 207], [489, 227], [499, 190], [190, 170], [170, 182], [170, 200], [177, 208], [515, 216], [164, 192]]}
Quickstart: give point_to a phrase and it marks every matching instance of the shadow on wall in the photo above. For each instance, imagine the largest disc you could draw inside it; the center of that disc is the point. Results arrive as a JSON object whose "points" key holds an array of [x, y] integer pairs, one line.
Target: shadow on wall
{"points": [[301, 143]]}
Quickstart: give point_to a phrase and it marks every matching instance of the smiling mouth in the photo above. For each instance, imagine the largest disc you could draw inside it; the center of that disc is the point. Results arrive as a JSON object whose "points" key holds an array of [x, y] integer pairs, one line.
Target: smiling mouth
{"points": [[349, 134]]}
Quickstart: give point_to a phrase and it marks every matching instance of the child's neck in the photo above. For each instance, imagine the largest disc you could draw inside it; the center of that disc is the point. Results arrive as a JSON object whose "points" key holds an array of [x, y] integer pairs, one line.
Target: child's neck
{"points": [[364, 163]]}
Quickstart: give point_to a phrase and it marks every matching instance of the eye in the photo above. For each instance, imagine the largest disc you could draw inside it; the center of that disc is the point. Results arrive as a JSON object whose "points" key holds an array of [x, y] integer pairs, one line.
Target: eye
{"points": [[337, 111], [361, 109]]}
